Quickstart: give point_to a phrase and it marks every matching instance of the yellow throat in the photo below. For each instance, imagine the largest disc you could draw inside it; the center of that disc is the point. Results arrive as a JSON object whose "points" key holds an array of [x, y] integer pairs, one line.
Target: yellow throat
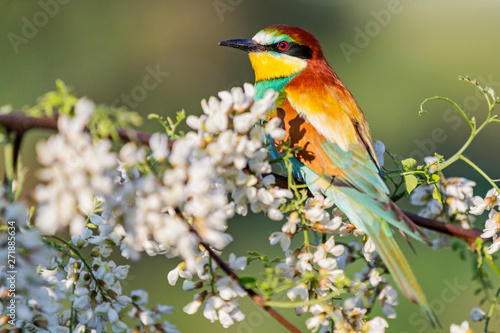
{"points": [[269, 66]]}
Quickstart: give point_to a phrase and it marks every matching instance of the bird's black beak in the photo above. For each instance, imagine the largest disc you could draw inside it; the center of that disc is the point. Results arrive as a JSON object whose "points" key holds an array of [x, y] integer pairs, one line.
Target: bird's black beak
{"points": [[243, 44]]}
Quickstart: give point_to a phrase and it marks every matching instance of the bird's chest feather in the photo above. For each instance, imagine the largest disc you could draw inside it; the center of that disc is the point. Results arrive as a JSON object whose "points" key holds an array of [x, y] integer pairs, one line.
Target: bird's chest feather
{"points": [[303, 135]]}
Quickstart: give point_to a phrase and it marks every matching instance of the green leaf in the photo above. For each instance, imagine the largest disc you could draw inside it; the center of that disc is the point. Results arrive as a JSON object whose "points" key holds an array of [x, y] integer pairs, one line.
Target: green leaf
{"points": [[409, 163], [433, 179], [436, 194], [247, 282], [411, 182]]}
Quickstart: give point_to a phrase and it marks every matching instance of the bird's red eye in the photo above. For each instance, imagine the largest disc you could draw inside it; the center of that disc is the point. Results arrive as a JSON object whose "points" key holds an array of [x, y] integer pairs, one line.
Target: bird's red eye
{"points": [[283, 45]]}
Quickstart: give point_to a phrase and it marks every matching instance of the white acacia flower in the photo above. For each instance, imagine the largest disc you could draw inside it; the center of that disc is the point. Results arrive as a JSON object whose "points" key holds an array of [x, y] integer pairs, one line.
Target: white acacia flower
{"points": [[237, 263], [491, 200], [169, 328], [376, 325], [275, 214], [228, 289], [353, 302], [139, 296], [379, 151], [159, 145], [319, 318], [388, 299], [130, 154], [458, 193], [334, 225], [174, 274], [119, 326], [459, 187], [152, 248], [192, 307], [287, 266], [463, 328], [336, 250], [324, 262], [17, 212], [263, 105], [189, 285], [492, 224], [433, 161], [81, 302], [194, 122], [291, 226], [317, 214], [369, 250], [433, 209], [494, 247], [242, 99], [229, 313], [147, 317], [274, 130], [81, 240], [304, 262], [476, 314], [421, 195], [164, 309], [282, 238], [374, 277], [299, 290], [244, 122], [123, 300], [211, 307], [265, 196], [121, 272]]}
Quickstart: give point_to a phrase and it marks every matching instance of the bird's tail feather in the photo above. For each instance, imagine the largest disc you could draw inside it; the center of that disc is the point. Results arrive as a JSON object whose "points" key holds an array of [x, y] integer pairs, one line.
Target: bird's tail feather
{"points": [[398, 266], [362, 214]]}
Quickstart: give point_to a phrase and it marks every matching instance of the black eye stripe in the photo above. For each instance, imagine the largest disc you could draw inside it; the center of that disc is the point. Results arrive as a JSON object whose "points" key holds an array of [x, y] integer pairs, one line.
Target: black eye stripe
{"points": [[293, 49]]}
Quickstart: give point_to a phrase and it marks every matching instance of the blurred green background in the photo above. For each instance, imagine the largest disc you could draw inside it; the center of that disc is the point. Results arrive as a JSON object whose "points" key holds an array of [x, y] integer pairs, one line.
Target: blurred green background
{"points": [[390, 54]]}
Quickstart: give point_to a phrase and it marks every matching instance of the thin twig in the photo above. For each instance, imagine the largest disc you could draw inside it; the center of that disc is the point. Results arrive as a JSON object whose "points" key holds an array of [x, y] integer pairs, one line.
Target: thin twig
{"points": [[258, 299], [19, 122], [18, 139]]}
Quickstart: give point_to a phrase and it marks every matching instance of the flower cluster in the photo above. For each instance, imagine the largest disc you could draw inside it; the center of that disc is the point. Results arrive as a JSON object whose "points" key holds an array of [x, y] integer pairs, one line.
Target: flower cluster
{"points": [[457, 199], [222, 303], [74, 170], [460, 206], [174, 198], [320, 273], [491, 203], [36, 305], [165, 203]]}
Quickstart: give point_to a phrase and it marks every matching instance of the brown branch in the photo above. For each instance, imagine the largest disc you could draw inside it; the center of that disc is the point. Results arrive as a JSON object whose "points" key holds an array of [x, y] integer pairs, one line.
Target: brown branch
{"points": [[469, 235], [450, 229], [258, 299], [21, 123]]}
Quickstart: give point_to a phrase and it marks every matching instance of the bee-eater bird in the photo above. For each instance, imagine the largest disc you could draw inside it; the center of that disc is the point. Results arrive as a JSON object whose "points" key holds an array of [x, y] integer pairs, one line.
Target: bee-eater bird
{"points": [[337, 157]]}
